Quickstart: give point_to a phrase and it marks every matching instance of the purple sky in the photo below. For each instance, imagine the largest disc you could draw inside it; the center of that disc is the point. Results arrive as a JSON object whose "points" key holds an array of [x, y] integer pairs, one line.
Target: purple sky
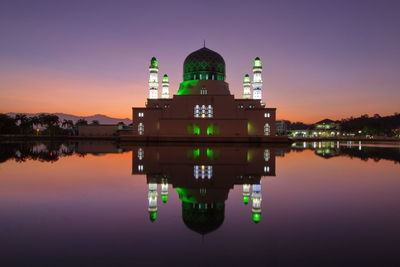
{"points": [[321, 58]]}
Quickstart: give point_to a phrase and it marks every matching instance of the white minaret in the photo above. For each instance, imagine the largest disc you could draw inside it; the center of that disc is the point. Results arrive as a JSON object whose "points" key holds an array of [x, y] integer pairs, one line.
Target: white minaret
{"points": [[165, 87], [153, 79], [246, 193], [246, 87], [256, 202], [164, 190], [152, 197], [257, 80]]}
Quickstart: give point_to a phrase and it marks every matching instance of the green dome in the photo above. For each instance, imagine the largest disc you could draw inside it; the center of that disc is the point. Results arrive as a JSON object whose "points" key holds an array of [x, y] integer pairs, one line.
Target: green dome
{"points": [[204, 64], [201, 219]]}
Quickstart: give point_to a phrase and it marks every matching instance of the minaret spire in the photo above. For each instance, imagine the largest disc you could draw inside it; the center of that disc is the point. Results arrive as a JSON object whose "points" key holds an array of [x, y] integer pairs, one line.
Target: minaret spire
{"points": [[153, 79], [246, 87], [257, 79], [204, 44], [165, 87]]}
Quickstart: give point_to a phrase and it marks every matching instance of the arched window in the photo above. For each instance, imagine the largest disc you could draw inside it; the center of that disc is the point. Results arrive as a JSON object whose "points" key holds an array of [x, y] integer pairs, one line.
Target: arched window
{"points": [[141, 128], [203, 111], [196, 111], [266, 155], [267, 129], [140, 153], [210, 111]]}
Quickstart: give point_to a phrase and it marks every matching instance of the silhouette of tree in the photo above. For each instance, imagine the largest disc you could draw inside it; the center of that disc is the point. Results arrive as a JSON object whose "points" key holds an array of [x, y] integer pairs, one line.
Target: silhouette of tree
{"points": [[81, 122], [7, 125]]}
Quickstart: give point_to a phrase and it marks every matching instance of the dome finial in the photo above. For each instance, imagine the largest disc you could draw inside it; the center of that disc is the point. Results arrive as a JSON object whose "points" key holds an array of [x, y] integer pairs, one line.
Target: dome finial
{"points": [[204, 43]]}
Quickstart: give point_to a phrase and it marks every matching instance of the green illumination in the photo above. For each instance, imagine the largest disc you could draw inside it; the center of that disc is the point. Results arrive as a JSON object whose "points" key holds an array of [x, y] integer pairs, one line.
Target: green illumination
{"points": [[210, 153], [246, 199], [210, 129], [256, 217], [185, 196], [164, 198], [154, 63], [249, 156], [193, 153], [196, 153], [193, 129], [250, 128], [153, 215], [196, 129], [187, 87], [165, 78], [257, 62], [246, 78]]}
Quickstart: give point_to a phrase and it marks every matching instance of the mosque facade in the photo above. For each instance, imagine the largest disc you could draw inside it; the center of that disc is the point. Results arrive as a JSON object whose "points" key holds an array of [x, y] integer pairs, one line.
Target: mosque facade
{"points": [[203, 107]]}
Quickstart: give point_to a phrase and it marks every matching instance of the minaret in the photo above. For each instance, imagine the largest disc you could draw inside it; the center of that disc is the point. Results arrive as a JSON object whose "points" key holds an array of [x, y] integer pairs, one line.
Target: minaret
{"points": [[257, 80], [165, 87], [246, 87], [164, 190], [152, 197], [256, 205], [246, 193], [153, 79]]}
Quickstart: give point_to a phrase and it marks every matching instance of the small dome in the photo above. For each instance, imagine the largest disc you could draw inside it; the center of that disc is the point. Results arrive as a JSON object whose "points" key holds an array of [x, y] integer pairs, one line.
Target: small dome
{"points": [[204, 64]]}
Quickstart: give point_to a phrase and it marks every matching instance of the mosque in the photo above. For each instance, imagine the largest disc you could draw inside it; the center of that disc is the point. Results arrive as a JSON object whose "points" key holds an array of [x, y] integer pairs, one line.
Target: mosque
{"points": [[202, 176], [203, 108]]}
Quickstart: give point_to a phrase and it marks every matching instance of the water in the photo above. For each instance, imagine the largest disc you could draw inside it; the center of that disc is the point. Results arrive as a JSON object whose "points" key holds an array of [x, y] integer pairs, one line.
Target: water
{"points": [[102, 204]]}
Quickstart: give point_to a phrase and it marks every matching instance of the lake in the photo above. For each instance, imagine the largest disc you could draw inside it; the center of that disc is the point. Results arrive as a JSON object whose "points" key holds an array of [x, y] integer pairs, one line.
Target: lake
{"points": [[105, 204]]}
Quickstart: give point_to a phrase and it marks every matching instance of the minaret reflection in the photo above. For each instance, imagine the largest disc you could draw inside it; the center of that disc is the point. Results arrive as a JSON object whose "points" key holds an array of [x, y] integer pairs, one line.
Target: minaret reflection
{"points": [[203, 176], [152, 196]]}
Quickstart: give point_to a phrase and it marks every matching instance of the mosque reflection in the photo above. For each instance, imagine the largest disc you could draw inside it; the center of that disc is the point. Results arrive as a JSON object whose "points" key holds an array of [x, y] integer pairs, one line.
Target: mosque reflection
{"points": [[203, 176]]}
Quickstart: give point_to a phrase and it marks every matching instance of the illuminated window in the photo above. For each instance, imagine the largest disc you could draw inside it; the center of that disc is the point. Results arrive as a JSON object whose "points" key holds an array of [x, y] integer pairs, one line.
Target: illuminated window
{"points": [[266, 155], [140, 115], [202, 172], [141, 128], [210, 111], [203, 111], [266, 168], [267, 129], [267, 115], [140, 168], [196, 111], [140, 153], [203, 91]]}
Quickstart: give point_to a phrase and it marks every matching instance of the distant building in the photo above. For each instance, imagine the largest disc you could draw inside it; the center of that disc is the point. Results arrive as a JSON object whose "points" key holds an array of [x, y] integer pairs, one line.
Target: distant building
{"points": [[322, 129], [203, 106], [282, 127]]}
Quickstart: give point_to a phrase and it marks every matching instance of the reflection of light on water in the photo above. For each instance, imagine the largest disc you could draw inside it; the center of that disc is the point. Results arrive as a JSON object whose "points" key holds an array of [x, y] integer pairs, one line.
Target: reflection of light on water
{"points": [[202, 172]]}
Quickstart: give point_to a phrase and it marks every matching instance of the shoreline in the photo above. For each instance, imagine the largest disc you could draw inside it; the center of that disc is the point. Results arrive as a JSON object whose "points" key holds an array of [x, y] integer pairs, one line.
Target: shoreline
{"points": [[156, 139]]}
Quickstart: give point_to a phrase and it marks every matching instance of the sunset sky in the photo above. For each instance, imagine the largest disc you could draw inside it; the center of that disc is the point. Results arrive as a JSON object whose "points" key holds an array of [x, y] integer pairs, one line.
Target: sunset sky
{"points": [[321, 59]]}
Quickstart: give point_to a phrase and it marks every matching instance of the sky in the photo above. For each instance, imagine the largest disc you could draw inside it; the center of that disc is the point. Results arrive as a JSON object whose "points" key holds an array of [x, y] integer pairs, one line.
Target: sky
{"points": [[321, 58]]}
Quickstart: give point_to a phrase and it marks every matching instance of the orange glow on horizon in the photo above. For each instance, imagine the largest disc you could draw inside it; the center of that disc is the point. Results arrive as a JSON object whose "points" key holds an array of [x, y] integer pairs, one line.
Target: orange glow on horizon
{"points": [[85, 97]]}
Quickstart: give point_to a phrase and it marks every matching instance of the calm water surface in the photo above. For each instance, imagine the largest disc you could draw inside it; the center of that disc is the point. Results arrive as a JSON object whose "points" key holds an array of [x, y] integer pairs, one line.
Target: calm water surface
{"points": [[101, 204]]}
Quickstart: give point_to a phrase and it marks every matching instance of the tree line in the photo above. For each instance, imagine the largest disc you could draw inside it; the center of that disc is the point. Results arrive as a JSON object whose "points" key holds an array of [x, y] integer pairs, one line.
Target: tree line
{"points": [[363, 125], [43, 124]]}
